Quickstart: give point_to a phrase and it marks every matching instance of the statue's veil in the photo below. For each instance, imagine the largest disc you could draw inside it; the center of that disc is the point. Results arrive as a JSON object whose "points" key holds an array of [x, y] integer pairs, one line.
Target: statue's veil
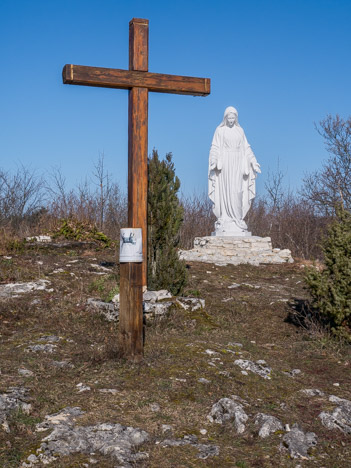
{"points": [[229, 110]]}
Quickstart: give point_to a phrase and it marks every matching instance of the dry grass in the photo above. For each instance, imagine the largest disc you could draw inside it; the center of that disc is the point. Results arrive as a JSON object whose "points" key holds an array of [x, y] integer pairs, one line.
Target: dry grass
{"points": [[175, 359]]}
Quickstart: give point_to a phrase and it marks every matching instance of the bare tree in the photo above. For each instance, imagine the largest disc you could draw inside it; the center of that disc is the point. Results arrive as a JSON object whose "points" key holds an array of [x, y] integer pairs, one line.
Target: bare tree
{"points": [[274, 188], [102, 179], [330, 186], [20, 195], [198, 218]]}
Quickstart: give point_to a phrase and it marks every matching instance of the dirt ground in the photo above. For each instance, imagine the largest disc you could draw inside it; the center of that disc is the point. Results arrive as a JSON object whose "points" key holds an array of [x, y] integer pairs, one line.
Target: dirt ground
{"points": [[243, 304]]}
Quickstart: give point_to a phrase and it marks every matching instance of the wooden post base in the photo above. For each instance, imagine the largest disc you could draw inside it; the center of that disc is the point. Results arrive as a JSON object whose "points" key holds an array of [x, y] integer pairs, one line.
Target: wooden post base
{"points": [[130, 337]]}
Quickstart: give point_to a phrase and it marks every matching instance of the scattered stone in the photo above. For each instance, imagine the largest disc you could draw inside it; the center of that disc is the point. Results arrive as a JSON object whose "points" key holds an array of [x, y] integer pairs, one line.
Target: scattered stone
{"points": [[156, 296], [204, 381], [177, 379], [113, 391], [25, 372], [13, 289], [191, 303], [33, 459], [233, 286], [39, 239], [340, 418], [312, 392], [114, 440], [109, 310], [115, 299], [50, 338], [57, 271], [62, 364], [235, 345], [100, 267], [269, 424], [293, 373], [15, 398], [152, 306], [210, 352], [227, 299], [166, 428], [41, 348], [336, 384], [252, 286], [228, 410], [343, 401], [298, 443], [83, 388], [205, 451], [157, 308], [259, 367], [66, 417]]}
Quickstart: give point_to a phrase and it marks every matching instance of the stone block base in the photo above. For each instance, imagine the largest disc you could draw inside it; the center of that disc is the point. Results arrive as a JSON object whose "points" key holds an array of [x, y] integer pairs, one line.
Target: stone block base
{"points": [[235, 250]]}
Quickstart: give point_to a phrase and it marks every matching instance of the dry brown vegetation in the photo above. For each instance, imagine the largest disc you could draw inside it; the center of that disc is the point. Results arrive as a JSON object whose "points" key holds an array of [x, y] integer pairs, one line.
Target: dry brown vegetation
{"points": [[28, 206], [175, 359]]}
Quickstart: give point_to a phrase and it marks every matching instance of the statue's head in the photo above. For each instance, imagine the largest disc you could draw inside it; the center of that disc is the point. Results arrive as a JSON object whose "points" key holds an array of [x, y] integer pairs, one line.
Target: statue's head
{"points": [[230, 117]]}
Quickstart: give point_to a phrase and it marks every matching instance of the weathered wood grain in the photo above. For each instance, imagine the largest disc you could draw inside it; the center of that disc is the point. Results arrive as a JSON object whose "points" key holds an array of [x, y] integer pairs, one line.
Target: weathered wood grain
{"points": [[139, 44], [127, 79], [137, 165], [130, 331], [138, 135]]}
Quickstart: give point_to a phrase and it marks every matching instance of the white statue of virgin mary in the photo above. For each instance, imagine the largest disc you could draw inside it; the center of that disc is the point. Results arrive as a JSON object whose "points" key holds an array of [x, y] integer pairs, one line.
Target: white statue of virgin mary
{"points": [[231, 178]]}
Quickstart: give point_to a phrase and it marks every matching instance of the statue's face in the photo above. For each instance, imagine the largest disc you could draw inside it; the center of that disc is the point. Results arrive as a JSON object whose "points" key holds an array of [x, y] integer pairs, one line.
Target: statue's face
{"points": [[231, 118]]}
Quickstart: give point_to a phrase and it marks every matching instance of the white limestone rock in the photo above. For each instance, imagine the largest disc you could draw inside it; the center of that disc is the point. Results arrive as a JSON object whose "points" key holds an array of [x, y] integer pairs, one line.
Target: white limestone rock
{"points": [[312, 392], [229, 410], [205, 451], [259, 367], [13, 289], [191, 303], [156, 296], [298, 443], [340, 418], [43, 239], [13, 399], [268, 424], [113, 440], [41, 348]]}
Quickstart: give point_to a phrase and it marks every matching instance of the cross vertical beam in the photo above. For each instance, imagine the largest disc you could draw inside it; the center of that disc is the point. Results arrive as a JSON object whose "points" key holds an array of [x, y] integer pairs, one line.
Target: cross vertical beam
{"points": [[138, 134], [133, 276]]}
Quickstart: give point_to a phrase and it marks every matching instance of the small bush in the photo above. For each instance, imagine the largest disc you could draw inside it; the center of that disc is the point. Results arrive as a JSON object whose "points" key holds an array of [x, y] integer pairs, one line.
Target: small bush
{"points": [[331, 287], [75, 230]]}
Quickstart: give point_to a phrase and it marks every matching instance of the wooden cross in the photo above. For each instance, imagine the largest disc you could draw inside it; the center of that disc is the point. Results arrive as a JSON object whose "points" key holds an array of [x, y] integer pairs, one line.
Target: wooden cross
{"points": [[139, 82]]}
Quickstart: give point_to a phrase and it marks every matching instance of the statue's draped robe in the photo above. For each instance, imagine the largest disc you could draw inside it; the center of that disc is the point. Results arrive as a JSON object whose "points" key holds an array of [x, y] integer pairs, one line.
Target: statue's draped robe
{"points": [[231, 183]]}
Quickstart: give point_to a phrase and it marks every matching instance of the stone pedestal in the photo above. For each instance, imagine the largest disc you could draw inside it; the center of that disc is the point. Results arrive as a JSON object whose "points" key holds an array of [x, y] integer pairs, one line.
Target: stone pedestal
{"points": [[235, 250]]}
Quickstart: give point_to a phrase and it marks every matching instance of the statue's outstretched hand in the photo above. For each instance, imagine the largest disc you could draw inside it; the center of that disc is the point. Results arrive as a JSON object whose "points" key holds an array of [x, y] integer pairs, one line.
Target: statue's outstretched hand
{"points": [[256, 167]]}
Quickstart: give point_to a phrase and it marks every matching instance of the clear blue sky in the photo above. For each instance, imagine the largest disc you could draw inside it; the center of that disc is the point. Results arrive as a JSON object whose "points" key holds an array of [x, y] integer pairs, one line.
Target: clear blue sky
{"points": [[283, 64]]}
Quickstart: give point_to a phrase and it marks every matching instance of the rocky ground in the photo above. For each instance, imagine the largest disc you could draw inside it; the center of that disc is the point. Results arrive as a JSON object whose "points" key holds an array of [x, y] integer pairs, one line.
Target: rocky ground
{"points": [[229, 378]]}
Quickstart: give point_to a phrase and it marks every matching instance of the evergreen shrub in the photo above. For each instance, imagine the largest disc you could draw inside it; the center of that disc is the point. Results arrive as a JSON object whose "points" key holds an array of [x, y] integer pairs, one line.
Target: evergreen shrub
{"points": [[165, 216], [331, 288]]}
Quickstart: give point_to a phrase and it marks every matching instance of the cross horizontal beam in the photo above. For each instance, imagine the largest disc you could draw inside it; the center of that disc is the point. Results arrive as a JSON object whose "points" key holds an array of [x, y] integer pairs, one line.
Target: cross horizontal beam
{"points": [[127, 79]]}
